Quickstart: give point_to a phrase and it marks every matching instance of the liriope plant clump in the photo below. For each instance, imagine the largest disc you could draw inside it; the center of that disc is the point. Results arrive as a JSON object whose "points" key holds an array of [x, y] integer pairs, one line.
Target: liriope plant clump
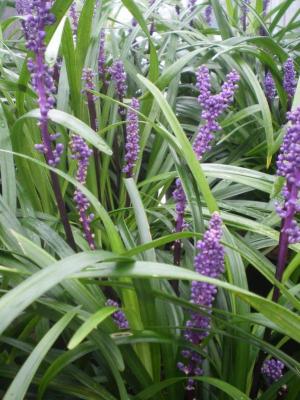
{"points": [[149, 202]]}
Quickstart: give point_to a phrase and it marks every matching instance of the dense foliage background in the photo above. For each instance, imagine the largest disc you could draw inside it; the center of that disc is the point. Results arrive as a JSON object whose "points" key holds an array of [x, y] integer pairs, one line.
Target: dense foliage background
{"points": [[58, 338]]}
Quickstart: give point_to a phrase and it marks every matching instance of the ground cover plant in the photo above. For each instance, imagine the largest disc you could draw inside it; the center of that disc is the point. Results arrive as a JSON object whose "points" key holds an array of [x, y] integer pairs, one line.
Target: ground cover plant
{"points": [[149, 163]]}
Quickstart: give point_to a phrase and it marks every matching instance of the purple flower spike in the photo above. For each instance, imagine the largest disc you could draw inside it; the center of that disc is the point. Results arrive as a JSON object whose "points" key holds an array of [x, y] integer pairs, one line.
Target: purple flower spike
{"points": [[88, 78], [289, 78], [74, 17], [265, 6], [119, 77], [244, 14], [81, 152], [272, 369], [212, 107], [101, 58], [208, 15], [192, 5], [208, 262], [118, 316], [180, 224], [180, 201], [288, 166], [269, 84], [132, 138], [37, 18]]}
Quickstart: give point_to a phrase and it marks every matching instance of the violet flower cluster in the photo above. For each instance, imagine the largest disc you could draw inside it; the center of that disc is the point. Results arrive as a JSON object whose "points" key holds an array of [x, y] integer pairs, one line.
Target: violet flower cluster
{"points": [[289, 78], [74, 18], [88, 76], [265, 6], [244, 14], [192, 5], [132, 138], [118, 316], [288, 166], [101, 58], [208, 14], [81, 152], [119, 78], [180, 206], [212, 107], [269, 84], [208, 262], [273, 370], [22, 7], [88, 79], [37, 18]]}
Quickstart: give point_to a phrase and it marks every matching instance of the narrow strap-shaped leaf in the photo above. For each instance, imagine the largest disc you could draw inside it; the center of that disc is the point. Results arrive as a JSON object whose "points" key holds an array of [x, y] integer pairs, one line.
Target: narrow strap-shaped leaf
{"points": [[8, 176], [18, 388], [90, 324]]}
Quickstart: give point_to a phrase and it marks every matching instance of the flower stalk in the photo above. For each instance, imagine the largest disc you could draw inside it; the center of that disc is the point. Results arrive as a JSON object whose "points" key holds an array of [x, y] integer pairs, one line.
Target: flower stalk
{"points": [[212, 107], [208, 262], [37, 17]]}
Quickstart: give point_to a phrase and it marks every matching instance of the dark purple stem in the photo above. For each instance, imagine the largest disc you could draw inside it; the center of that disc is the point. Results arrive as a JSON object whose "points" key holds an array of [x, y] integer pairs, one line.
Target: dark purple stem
{"points": [[190, 395], [177, 252], [282, 256]]}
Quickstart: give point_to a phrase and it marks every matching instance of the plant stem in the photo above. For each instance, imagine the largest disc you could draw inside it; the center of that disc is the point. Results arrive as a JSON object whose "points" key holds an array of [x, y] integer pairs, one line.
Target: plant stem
{"points": [[62, 210], [190, 395]]}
